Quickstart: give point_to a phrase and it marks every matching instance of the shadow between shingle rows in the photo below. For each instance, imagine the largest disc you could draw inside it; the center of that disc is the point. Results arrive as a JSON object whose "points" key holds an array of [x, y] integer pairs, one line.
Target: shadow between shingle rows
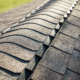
{"points": [[48, 44], [53, 1]]}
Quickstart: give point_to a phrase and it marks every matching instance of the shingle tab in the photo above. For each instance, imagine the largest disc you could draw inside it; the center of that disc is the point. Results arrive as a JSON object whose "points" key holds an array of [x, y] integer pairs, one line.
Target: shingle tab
{"points": [[4, 75], [74, 63], [71, 76], [22, 41], [45, 17], [74, 20], [71, 30], [79, 2], [35, 27], [77, 7], [74, 13], [8, 63], [42, 73], [64, 43], [41, 22], [77, 46], [55, 60], [60, 5], [54, 10], [51, 14], [28, 33], [17, 51], [63, 2], [59, 8]]}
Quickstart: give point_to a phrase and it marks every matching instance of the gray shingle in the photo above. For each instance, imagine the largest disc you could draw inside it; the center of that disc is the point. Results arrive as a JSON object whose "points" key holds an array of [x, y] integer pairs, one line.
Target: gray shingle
{"points": [[77, 46], [77, 7], [76, 13], [64, 43], [59, 8], [60, 5], [74, 20], [35, 27], [51, 14], [71, 30], [8, 63], [41, 22], [74, 63], [4, 75], [17, 51], [55, 60], [21, 40], [28, 33], [71, 76], [45, 17], [79, 2], [63, 2], [42, 73], [54, 10]]}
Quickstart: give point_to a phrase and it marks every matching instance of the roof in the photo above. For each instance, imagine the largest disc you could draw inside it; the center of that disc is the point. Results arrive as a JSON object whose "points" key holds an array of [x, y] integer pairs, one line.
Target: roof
{"points": [[45, 46]]}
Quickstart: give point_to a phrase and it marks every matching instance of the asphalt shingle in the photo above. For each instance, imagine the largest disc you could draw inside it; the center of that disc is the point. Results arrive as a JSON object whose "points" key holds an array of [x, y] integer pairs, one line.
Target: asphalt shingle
{"points": [[8, 63], [74, 63], [54, 10], [28, 33], [64, 43], [74, 13], [70, 75], [55, 60], [74, 20], [42, 73], [51, 14], [71, 30]]}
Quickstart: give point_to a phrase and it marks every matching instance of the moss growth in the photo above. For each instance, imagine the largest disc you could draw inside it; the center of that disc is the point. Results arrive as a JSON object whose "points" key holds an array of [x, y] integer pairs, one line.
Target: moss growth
{"points": [[9, 4]]}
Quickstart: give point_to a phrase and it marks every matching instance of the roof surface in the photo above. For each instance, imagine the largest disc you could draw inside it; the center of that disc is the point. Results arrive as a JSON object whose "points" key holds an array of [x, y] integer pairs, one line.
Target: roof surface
{"points": [[19, 45]]}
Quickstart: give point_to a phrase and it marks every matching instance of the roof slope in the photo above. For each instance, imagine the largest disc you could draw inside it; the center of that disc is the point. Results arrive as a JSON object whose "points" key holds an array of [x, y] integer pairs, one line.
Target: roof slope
{"points": [[20, 43]]}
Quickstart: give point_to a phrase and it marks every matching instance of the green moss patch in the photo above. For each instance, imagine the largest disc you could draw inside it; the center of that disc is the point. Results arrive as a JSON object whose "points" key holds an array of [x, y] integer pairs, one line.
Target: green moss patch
{"points": [[9, 4]]}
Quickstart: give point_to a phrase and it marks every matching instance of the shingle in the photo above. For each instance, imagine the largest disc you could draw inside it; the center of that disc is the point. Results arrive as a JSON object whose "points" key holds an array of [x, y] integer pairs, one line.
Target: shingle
{"points": [[8, 63], [4, 75], [77, 46], [77, 7], [74, 20], [55, 60], [42, 73], [71, 30], [79, 2], [71, 76], [59, 8], [45, 17], [74, 63], [68, 1], [17, 51], [51, 14], [61, 2], [60, 5], [54, 10], [64, 43], [35, 27], [79, 38], [74, 13], [28, 33], [22, 41], [41, 22]]}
